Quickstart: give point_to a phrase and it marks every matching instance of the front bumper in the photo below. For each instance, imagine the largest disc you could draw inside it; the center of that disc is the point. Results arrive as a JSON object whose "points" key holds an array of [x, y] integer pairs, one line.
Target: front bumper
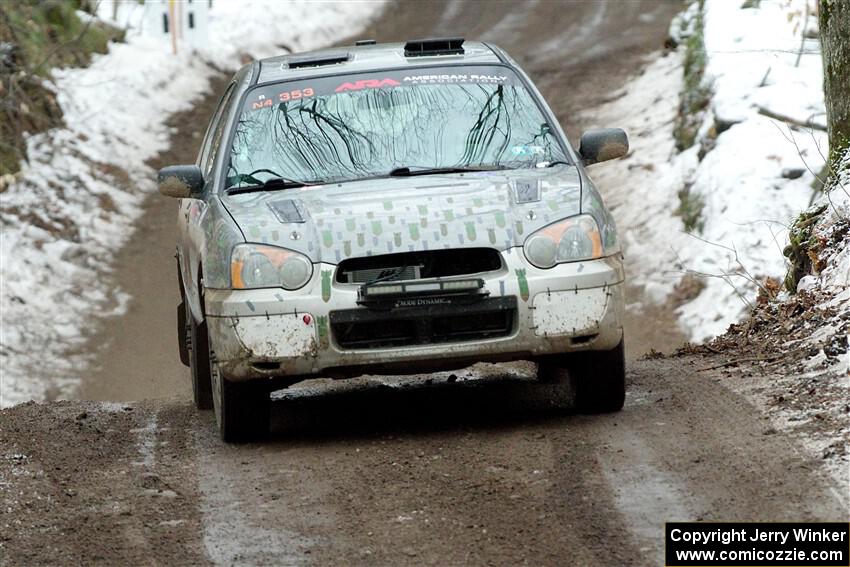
{"points": [[267, 333]]}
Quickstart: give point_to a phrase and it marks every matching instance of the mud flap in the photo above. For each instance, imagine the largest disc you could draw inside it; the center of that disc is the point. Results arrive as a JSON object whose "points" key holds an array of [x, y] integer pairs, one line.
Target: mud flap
{"points": [[182, 333]]}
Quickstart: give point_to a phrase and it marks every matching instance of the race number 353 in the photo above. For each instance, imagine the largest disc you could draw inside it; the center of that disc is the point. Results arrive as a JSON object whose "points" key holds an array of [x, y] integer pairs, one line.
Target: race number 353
{"points": [[295, 94]]}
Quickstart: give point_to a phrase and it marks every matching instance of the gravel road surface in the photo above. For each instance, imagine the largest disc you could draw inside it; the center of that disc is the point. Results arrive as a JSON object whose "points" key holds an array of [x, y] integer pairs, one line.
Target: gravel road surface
{"points": [[450, 473]]}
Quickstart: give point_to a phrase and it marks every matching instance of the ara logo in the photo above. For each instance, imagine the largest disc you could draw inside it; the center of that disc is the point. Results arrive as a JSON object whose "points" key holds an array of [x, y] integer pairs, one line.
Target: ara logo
{"points": [[367, 84]]}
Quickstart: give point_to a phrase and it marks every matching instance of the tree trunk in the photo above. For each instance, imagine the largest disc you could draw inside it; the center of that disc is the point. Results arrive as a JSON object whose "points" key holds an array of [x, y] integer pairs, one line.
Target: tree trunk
{"points": [[834, 18]]}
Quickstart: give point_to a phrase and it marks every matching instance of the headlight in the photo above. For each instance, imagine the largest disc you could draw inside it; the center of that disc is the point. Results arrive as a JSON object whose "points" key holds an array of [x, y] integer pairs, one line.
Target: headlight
{"points": [[256, 266], [570, 240]]}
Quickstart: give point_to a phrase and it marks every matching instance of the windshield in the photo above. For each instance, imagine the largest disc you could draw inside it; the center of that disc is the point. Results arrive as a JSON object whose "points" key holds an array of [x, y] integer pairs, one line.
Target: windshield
{"points": [[366, 125]]}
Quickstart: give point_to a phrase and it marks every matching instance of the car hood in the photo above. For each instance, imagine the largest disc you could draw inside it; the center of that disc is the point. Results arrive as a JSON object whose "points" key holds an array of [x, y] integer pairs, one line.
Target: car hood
{"points": [[330, 223]]}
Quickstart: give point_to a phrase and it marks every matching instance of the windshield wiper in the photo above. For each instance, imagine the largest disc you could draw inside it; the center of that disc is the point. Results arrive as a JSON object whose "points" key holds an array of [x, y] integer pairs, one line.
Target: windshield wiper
{"points": [[409, 171], [272, 184]]}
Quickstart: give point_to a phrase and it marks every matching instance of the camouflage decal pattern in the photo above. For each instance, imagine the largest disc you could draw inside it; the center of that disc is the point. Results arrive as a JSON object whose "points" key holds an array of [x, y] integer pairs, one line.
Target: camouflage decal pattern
{"points": [[326, 285], [322, 328], [522, 281], [384, 216], [500, 219]]}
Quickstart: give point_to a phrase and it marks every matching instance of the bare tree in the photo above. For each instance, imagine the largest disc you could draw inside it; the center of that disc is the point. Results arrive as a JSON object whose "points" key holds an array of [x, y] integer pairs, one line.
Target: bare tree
{"points": [[834, 19]]}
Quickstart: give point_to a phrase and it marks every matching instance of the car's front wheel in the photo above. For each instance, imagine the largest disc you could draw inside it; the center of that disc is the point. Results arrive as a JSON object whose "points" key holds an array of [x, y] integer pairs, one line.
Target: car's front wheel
{"points": [[597, 378], [242, 409]]}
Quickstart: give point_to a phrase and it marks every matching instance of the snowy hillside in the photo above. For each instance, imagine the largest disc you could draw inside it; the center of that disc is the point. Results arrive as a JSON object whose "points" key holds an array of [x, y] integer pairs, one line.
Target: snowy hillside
{"points": [[74, 202], [758, 145]]}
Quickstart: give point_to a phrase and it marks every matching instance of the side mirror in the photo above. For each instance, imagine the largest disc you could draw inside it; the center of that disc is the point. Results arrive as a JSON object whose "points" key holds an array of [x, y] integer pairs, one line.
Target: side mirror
{"points": [[603, 144], [181, 181]]}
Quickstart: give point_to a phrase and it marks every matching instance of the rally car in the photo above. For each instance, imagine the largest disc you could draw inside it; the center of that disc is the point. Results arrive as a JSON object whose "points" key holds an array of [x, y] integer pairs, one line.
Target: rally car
{"points": [[392, 209]]}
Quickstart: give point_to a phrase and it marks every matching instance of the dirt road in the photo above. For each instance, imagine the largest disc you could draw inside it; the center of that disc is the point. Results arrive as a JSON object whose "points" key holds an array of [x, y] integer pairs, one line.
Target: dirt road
{"points": [[438, 472], [463, 473]]}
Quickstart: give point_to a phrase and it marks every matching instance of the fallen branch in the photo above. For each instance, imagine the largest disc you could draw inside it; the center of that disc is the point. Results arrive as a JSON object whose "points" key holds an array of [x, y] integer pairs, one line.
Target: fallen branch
{"points": [[735, 361], [787, 119], [712, 349]]}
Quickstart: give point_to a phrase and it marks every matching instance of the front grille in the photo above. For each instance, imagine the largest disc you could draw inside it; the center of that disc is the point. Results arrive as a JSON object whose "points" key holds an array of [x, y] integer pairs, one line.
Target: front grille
{"points": [[419, 265], [434, 324], [383, 274]]}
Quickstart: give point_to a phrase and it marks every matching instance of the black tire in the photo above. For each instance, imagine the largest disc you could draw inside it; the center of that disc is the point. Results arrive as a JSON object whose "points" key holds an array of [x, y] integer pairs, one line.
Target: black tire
{"points": [[199, 364], [556, 386], [592, 381], [599, 380], [242, 409]]}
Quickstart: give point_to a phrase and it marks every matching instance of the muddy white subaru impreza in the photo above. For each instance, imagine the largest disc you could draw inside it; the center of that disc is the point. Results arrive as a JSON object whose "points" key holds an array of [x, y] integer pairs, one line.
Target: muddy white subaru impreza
{"points": [[393, 209]]}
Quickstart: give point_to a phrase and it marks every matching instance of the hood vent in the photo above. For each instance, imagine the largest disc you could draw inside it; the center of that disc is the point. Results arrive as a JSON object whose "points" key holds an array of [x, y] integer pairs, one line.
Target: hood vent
{"points": [[287, 211], [527, 191]]}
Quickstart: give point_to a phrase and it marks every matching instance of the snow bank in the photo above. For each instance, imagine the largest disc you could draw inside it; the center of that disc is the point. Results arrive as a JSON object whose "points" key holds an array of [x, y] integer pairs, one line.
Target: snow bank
{"points": [[752, 65], [834, 226], [750, 174], [832, 268], [75, 201]]}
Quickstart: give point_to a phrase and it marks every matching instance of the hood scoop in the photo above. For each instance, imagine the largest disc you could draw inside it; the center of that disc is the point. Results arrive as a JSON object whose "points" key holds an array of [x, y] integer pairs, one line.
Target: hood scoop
{"points": [[287, 211]]}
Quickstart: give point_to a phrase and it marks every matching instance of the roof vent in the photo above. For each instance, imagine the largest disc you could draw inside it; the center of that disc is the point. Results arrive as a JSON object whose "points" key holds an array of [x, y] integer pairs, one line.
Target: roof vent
{"points": [[318, 59], [434, 46], [361, 42]]}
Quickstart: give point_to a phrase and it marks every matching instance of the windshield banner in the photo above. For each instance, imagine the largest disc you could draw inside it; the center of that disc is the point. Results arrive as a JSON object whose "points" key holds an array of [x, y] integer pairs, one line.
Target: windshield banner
{"points": [[290, 91]]}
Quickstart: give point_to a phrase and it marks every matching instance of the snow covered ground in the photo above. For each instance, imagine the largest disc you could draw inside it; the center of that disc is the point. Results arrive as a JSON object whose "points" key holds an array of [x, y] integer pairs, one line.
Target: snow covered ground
{"points": [[835, 276], [755, 172], [832, 269], [76, 199]]}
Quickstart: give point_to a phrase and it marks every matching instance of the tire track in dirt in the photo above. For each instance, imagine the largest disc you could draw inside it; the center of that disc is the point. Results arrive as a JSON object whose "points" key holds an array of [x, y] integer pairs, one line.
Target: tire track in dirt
{"points": [[464, 472], [472, 472], [83, 483]]}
